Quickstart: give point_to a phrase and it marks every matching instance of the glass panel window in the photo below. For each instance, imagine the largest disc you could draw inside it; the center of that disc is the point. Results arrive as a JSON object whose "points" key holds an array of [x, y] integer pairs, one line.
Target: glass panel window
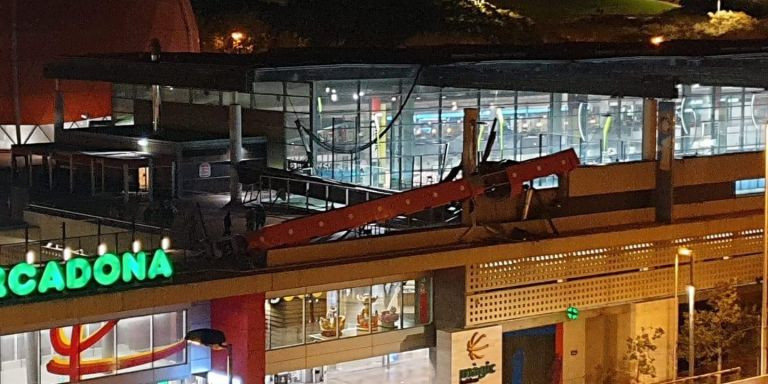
{"points": [[19, 362], [388, 305], [322, 316], [102, 353], [47, 356], [285, 320], [168, 330], [134, 337], [356, 308]]}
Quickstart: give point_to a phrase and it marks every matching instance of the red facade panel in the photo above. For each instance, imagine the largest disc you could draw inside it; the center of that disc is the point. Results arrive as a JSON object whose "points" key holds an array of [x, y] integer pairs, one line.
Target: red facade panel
{"points": [[45, 30]]}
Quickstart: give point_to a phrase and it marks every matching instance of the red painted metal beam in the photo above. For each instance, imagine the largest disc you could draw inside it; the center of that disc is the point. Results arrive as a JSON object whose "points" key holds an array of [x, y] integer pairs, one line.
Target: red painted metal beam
{"points": [[301, 230]]}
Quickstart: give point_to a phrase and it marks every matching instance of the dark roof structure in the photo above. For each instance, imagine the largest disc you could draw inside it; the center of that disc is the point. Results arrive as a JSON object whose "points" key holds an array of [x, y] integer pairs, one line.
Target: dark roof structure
{"points": [[627, 69]]}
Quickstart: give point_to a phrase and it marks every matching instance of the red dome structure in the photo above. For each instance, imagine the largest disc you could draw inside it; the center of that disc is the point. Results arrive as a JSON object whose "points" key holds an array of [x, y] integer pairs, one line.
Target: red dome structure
{"points": [[33, 32]]}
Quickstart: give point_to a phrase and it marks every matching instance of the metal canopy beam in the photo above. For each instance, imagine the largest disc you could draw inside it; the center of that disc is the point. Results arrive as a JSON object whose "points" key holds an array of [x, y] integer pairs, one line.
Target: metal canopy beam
{"points": [[220, 77]]}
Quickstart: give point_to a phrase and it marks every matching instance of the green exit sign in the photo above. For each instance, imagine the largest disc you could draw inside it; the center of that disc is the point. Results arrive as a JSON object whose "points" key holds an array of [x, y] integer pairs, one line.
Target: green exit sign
{"points": [[572, 313]]}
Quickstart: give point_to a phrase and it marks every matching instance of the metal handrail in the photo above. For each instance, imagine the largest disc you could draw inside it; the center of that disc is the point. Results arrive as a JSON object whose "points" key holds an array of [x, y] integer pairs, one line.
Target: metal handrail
{"points": [[736, 370], [86, 216]]}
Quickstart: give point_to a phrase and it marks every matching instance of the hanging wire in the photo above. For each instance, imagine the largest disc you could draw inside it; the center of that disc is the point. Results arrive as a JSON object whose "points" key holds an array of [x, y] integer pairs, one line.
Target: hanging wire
{"points": [[356, 149]]}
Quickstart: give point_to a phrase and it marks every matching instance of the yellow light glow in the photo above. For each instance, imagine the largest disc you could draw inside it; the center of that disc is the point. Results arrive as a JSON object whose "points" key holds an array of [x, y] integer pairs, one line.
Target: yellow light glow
{"points": [[165, 243], [30, 257], [237, 36], [684, 251], [657, 40]]}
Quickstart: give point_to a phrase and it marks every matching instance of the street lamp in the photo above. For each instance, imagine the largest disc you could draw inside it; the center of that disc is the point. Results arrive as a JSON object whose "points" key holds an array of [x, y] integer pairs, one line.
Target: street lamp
{"points": [[764, 304], [690, 290], [215, 340]]}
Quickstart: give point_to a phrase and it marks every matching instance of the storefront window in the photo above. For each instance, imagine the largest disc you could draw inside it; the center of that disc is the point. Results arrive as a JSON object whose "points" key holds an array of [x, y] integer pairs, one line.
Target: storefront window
{"points": [[113, 347], [349, 312], [355, 307], [167, 333], [285, 321], [388, 305], [130, 342], [322, 316]]}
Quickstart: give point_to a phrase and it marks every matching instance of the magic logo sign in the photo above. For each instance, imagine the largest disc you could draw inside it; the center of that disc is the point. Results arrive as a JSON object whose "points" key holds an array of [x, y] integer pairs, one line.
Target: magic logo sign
{"points": [[25, 279], [474, 349]]}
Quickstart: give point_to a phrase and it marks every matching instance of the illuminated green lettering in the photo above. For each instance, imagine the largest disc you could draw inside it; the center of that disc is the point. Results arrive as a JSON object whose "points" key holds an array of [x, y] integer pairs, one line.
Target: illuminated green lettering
{"points": [[134, 266], [78, 273], [106, 269], [160, 265], [52, 278], [21, 279], [3, 289]]}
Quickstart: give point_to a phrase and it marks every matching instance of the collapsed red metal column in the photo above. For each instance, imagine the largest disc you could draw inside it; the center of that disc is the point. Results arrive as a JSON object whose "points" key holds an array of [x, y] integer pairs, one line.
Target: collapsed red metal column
{"points": [[242, 319]]}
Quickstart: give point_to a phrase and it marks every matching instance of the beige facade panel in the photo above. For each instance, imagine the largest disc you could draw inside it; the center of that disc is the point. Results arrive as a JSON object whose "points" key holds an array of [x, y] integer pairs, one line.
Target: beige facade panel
{"points": [[509, 304], [717, 169], [342, 350], [599, 180]]}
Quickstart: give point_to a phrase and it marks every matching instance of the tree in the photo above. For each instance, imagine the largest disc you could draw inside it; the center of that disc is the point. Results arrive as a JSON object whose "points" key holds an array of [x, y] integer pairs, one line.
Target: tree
{"points": [[724, 324], [640, 349]]}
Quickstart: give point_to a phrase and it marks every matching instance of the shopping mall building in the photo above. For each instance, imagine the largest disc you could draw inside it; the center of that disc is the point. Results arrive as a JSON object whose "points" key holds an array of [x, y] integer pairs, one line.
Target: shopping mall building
{"points": [[622, 155]]}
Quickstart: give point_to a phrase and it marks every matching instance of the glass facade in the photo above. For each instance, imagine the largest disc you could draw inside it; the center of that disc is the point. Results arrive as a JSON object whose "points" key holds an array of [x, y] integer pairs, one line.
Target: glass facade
{"points": [[424, 142], [349, 312], [107, 348]]}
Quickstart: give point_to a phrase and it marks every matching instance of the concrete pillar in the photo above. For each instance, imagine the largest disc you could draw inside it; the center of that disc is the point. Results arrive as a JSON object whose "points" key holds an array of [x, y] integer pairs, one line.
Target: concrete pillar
{"points": [[71, 174], [179, 174], [173, 179], [650, 109], [49, 164], [28, 159], [103, 178], [93, 178], [125, 183], [242, 319], [664, 166], [32, 344], [58, 111], [449, 305], [155, 95], [235, 152], [469, 156]]}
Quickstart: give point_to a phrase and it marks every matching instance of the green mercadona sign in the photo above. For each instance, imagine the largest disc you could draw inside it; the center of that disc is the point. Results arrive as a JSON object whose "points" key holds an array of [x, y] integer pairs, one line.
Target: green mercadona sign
{"points": [[109, 269]]}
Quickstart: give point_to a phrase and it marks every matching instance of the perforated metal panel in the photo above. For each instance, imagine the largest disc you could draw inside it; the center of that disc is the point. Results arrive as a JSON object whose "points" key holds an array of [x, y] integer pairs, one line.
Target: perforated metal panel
{"points": [[537, 285], [589, 262]]}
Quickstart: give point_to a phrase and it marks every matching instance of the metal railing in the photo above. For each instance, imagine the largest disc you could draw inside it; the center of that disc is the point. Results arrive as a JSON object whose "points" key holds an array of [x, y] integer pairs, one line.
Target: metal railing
{"points": [[693, 379]]}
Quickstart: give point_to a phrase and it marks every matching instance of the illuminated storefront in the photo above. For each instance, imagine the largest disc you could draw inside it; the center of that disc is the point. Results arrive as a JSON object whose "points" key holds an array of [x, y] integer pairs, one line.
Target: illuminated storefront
{"points": [[343, 313], [105, 348]]}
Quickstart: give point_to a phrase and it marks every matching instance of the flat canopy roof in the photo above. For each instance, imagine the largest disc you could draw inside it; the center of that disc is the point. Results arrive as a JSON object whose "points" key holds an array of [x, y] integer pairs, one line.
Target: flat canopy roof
{"points": [[625, 69]]}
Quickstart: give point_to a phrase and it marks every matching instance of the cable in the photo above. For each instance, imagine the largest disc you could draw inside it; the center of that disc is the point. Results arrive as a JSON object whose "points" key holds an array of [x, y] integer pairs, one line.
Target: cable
{"points": [[352, 150]]}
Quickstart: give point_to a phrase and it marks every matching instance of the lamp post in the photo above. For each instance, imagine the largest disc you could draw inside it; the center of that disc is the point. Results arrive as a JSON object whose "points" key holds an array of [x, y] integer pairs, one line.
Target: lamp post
{"points": [[764, 304], [215, 340], [691, 291]]}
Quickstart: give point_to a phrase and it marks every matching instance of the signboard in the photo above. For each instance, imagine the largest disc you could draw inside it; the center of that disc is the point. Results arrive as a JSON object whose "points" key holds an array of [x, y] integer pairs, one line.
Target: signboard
{"points": [[204, 170], [109, 269], [470, 356]]}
